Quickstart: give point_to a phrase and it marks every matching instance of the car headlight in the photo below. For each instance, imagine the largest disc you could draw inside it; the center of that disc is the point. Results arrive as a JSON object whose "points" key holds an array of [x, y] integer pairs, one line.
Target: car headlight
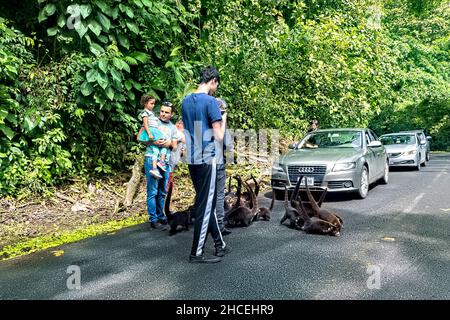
{"points": [[407, 153], [277, 168], [344, 166]]}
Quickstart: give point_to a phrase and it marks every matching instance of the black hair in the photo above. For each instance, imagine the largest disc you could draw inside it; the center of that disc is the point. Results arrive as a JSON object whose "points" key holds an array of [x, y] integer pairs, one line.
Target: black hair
{"points": [[314, 121], [167, 104], [208, 74]]}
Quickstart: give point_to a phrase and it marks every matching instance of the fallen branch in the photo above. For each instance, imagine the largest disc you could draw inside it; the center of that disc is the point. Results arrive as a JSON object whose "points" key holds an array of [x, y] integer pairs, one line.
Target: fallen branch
{"points": [[63, 197]]}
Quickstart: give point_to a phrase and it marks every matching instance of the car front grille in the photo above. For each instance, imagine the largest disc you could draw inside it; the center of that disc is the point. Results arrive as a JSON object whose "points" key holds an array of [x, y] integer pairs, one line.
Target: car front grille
{"points": [[394, 154], [311, 171]]}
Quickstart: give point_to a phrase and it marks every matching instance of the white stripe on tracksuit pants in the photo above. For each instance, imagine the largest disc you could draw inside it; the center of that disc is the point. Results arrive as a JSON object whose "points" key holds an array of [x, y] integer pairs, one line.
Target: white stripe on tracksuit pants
{"points": [[204, 180]]}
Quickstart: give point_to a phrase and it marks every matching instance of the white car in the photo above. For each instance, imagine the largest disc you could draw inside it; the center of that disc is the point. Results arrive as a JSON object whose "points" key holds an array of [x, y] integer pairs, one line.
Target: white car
{"points": [[405, 149]]}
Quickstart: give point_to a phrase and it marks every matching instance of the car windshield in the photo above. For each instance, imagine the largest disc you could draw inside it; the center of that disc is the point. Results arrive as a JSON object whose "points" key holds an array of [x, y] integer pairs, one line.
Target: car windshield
{"points": [[398, 139], [332, 139]]}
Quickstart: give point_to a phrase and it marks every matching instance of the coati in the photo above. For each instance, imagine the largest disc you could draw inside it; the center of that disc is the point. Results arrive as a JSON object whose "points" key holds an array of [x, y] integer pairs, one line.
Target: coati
{"points": [[240, 215], [295, 220], [262, 212], [230, 197], [175, 219], [323, 213], [313, 224], [308, 206]]}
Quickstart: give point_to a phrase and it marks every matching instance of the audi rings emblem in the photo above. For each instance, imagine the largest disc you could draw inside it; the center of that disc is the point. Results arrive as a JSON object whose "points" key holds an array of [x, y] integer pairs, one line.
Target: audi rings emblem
{"points": [[306, 170]]}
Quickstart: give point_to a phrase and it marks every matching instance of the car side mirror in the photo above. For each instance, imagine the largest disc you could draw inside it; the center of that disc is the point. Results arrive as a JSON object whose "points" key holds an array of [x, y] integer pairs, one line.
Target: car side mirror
{"points": [[293, 145], [428, 138], [375, 144]]}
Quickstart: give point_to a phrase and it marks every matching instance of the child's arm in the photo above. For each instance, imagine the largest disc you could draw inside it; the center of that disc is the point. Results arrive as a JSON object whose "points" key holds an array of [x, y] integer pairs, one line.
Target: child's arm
{"points": [[147, 128]]}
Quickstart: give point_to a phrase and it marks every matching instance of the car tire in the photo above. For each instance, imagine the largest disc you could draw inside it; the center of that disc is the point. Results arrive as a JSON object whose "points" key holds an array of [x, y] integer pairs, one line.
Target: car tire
{"points": [[363, 189], [428, 156], [385, 178]]}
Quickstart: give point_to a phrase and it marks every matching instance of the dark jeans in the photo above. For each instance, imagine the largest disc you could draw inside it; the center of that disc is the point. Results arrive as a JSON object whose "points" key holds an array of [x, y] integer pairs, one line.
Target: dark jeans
{"points": [[156, 192], [221, 182], [205, 184]]}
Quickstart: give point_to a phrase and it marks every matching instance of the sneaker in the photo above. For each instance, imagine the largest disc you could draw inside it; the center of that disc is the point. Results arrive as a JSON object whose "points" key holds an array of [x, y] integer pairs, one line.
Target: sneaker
{"points": [[161, 165], [225, 231], [155, 174], [203, 259], [159, 226], [220, 252]]}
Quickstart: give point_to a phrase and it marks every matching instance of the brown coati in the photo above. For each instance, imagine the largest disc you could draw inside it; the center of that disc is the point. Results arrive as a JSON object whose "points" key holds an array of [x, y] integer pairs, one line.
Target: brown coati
{"points": [[230, 197], [175, 219], [308, 206], [240, 215], [323, 213], [313, 224], [262, 212], [295, 220]]}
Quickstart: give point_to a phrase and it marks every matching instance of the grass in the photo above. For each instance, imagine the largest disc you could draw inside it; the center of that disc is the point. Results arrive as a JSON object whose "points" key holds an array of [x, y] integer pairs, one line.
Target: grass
{"points": [[50, 241]]}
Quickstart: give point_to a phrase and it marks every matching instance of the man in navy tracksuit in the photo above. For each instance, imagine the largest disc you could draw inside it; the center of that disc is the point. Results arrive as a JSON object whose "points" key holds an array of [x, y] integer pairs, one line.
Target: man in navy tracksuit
{"points": [[204, 131]]}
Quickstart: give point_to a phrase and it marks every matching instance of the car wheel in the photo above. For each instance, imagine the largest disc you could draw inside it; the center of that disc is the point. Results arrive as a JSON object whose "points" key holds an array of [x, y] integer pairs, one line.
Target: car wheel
{"points": [[385, 178], [364, 183], [428, 156]]}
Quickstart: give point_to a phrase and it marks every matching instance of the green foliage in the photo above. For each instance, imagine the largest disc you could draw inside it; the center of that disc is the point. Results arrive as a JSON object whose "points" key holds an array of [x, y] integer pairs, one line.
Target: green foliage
{"points": [[71, 79]]}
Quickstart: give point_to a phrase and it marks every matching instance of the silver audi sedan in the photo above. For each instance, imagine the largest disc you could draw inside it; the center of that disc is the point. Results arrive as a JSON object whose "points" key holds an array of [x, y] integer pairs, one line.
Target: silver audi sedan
{"points": [[340, 160]]}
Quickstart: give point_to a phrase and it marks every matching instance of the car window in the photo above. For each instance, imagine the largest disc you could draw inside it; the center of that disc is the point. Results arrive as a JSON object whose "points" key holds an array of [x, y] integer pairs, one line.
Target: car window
{"points": [[373, 135], [398, 139], [332, 139]]}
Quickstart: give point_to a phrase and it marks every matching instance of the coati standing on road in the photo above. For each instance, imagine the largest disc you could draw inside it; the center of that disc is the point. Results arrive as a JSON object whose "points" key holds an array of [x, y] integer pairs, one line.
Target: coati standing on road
{"points": [[175, 219], [240, 215], [295, 220], [262, 212]]}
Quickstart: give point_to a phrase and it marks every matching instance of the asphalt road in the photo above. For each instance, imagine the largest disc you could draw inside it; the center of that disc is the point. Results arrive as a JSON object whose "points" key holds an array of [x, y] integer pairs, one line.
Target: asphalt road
{"points": [[398, 235]]}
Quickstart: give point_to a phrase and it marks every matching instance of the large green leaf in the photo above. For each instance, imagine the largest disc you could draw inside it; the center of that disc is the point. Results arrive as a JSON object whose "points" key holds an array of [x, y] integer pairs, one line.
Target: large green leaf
{"points": [[106, 9], [102, 80], [86, 88], [103, 65], [80, 27], [116, 75], [96, 49], [52, 31], [95, 27], [7, 131], [104, 21], [140, 56], [85, 10], [123, 41], [133, 27], [109, 93], [92, 75]]}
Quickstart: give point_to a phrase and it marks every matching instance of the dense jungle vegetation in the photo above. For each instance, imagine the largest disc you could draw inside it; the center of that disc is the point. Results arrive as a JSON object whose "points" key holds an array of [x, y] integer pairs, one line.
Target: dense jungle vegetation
{"points": [[72, 73]]}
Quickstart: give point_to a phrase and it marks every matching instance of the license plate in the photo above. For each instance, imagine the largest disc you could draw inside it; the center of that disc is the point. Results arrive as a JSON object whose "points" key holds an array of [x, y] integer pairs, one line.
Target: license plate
{"points": [[391, 161], [310, 181]]}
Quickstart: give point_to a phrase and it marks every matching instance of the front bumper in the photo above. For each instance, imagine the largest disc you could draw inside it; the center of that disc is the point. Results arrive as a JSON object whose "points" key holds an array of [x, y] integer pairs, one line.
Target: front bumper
{"points": [[403, 161], [340, 181]]}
